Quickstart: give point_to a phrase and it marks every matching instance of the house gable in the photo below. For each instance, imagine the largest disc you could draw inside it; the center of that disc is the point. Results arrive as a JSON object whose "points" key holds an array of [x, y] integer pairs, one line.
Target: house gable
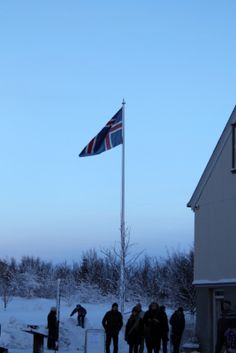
{"points": [[225, 136], [214, 204]]}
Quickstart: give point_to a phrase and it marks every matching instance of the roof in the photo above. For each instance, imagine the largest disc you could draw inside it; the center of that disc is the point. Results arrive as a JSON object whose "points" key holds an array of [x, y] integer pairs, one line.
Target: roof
{"points": [[193, 202]]}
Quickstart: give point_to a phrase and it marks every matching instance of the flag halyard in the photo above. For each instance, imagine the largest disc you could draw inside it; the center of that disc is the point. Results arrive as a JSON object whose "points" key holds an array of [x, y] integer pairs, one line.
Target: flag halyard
{"points": [[110, 136]]}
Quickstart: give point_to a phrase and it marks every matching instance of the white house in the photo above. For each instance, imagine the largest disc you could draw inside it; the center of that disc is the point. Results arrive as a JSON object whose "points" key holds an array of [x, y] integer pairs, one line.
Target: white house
{"points": [[214, 206]]}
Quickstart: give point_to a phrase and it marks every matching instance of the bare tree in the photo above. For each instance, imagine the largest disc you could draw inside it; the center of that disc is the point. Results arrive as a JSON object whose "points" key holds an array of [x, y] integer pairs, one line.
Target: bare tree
{"points": [[6, 276], [180, 280], [126, 259]]}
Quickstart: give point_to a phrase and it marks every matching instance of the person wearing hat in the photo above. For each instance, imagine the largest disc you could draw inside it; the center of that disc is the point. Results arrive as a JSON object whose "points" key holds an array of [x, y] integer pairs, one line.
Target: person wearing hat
{"points": [[52, 329], [81, 311], [112, 323], [177, 322]]}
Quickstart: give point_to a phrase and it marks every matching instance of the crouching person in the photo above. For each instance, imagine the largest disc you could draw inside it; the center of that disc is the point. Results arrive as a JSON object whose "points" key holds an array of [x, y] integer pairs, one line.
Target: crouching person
{"points": [[112, 323], [81, 313]]}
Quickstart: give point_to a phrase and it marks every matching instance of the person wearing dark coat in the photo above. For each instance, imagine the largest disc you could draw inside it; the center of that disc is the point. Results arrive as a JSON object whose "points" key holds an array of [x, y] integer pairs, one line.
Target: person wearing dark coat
{"points": [[153, 322], [134, 331], [141, 315], [177, 322], [164, 329], [112, 323], [81, 311], [52, 329]]}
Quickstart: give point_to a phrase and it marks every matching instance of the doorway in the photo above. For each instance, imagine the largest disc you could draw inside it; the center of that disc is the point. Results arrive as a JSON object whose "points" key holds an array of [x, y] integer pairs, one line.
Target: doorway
{"points": [[218, 297]]}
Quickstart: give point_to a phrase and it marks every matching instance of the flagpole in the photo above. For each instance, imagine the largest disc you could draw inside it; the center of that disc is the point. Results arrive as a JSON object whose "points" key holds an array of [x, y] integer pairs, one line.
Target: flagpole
{"points": [[122, 218], [58, 304]]}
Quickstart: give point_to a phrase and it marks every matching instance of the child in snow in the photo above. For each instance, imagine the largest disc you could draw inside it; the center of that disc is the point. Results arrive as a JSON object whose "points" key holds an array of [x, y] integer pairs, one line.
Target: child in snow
{"points": [[81, 311]]}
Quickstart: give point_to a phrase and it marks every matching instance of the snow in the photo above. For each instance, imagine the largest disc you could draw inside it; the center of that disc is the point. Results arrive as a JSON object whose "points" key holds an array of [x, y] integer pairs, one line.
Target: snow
{"points": [[220, 281], [22, 312]]}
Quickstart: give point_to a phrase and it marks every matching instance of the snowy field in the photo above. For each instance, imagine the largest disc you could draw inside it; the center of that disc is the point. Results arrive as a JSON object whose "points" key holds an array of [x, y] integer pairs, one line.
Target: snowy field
{"points": [[22, 312]]}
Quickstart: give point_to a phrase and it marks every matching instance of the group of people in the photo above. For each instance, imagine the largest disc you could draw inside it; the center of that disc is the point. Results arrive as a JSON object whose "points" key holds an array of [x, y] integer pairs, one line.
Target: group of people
{"points": [[226, 329], [150, 328]]}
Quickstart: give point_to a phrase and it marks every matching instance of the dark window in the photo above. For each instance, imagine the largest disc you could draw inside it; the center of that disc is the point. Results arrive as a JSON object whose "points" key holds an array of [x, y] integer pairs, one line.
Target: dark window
{"points": [[233, 148]]}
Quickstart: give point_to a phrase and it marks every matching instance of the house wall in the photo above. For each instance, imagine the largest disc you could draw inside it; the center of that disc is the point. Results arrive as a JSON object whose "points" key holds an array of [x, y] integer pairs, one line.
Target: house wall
{"points": [[215, 223], [203, 321], [215, 239]]}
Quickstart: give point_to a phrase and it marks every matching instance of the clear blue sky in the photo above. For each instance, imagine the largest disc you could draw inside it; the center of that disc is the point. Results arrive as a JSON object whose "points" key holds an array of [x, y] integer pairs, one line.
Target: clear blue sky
{"points": [[65, 67]]}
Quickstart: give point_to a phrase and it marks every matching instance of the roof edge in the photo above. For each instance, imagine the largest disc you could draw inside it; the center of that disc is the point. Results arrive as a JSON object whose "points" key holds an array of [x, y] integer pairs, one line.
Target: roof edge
{"points": [[206, 282], [211, 163]]}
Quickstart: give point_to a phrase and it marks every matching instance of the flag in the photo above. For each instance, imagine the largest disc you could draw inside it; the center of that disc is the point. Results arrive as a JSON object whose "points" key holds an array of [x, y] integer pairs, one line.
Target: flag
{"points": [[110, 136]]}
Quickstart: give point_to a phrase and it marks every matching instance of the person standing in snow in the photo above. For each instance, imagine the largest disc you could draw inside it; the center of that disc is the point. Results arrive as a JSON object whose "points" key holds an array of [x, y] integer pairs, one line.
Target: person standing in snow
{"points": [[52, 329], [177, 322], [112, 323], [141, 315], [134, 331], [81, 311], [152, 328], [164, 329]]}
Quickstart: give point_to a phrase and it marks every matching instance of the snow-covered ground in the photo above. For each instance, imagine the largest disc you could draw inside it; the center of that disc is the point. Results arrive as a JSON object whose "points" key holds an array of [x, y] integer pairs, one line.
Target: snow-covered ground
{"points": [[22, 312]]}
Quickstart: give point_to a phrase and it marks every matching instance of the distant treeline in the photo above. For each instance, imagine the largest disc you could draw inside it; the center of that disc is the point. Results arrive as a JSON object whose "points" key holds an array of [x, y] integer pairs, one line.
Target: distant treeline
{"points": [[166, 280]]}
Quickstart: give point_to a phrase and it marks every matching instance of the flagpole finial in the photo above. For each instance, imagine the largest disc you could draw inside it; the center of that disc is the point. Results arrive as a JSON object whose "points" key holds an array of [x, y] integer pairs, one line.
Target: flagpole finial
{"points": [[123, 102]]}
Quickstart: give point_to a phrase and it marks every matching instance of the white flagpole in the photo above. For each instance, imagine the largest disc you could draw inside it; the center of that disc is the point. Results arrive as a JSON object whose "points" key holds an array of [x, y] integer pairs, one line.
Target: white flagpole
{"points": [[58, 304], [122, 218]]}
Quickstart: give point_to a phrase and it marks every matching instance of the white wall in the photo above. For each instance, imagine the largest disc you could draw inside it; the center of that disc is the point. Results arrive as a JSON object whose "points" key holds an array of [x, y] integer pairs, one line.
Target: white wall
{"points": [[215, 223]]}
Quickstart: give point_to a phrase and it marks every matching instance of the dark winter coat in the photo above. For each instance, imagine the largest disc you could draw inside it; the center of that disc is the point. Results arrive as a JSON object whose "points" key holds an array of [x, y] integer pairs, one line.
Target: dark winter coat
{"points": [[112, 322], [177, 322], [134, 330], [164, 324], [52, 325], [153, 324], [80, 310]]}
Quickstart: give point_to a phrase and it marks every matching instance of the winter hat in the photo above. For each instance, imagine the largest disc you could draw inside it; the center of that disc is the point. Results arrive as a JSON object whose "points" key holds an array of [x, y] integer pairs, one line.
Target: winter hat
{"points": [[114, 304], [53, 308]]}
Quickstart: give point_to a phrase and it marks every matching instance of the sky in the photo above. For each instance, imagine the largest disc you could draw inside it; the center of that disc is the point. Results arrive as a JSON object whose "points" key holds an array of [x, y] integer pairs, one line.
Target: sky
{"points": [[65, 68]]}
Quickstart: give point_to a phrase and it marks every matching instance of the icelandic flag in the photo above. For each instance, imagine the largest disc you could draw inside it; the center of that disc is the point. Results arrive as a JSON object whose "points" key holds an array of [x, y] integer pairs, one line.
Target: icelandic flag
{"points": [[110, 136]]}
